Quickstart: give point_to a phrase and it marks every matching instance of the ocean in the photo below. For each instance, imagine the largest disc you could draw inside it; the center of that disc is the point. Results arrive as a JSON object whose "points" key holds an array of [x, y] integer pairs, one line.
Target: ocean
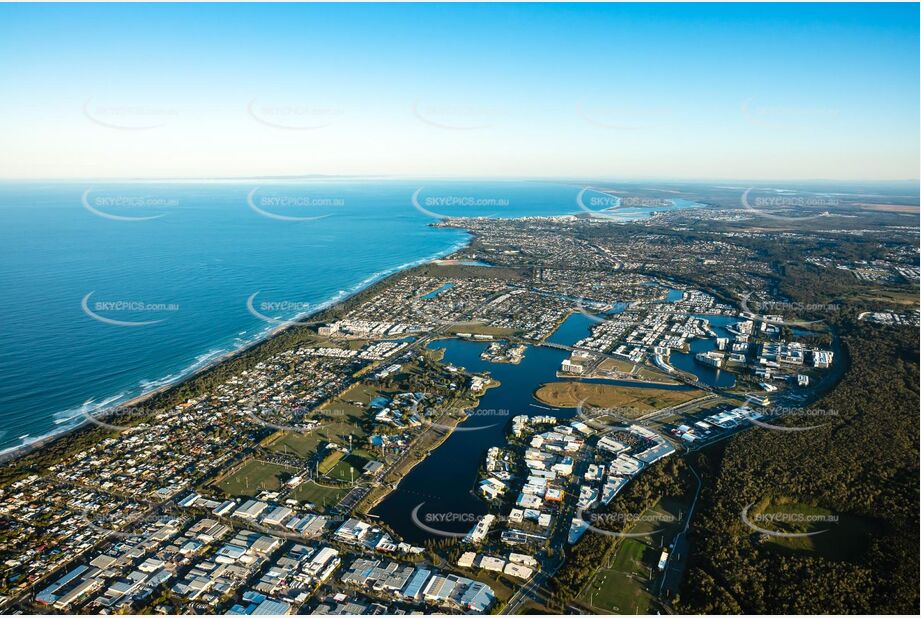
{"points": [[115, 289]]}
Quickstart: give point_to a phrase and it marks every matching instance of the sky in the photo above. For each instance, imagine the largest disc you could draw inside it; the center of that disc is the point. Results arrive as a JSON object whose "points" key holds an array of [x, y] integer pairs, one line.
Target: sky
{"points": [[616, 91]]}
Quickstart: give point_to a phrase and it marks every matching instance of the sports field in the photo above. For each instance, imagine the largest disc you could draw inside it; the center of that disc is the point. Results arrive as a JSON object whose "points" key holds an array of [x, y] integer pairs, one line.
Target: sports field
{"points": [[624, 584], [254, 477], [319, 495]]}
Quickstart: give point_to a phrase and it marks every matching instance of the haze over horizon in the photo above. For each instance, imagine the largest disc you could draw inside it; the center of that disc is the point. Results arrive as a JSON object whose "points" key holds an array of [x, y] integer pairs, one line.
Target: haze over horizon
{"points": [[627, 92]]}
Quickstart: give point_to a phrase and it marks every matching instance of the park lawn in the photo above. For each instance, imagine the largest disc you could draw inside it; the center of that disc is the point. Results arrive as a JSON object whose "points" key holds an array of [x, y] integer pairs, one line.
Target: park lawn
{"points": [[306, 444], [319, 495], [361, 392], [630, 401], [343, 411], [338, 420], [254, 477]]}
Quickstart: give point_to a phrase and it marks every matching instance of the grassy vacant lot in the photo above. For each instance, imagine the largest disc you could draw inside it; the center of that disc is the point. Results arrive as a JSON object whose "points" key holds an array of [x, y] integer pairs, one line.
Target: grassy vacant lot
{"points": [[253, 477], [886, 296], [703, 408], [635, 400], [841, 537], [615, 364], [319, 495], [475, 328], [503, 585]]}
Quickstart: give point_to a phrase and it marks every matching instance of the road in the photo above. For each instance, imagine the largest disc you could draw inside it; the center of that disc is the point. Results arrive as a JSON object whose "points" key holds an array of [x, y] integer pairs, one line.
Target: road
{"points": [[677, 558], [558, 540]]}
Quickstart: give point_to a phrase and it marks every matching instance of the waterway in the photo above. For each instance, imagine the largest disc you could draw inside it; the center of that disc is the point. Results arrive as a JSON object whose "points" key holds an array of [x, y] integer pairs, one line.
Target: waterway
{"points": [[443, 484], [434, 293], [711, 376], [442, 487]]}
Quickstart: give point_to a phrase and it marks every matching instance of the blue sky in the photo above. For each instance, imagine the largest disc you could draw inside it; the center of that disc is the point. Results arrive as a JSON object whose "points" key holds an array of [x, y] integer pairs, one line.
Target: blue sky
{"points": [[673, 91]]}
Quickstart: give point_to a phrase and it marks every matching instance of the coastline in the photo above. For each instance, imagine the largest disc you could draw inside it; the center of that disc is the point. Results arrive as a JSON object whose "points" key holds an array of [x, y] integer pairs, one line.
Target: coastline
{"points": [[326, 310]]}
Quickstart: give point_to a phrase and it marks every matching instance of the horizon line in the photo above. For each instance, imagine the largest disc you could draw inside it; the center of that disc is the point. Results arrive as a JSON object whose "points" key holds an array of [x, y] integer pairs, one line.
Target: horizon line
{"points": [[509, 178]]}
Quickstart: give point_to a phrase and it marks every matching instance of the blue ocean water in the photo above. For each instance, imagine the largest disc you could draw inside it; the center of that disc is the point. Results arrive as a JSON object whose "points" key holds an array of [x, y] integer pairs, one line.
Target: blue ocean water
{"points": [[113, 289]]}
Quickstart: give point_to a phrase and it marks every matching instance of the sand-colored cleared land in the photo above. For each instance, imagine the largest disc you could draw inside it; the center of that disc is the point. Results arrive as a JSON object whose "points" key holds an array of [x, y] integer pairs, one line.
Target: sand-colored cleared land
{"points": [[902, 208], [629, 401]]}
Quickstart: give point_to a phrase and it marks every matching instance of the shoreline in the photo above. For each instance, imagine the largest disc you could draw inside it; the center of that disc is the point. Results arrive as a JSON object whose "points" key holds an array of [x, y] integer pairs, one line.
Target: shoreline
{"points": [[372, 282], [450, 429]]}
